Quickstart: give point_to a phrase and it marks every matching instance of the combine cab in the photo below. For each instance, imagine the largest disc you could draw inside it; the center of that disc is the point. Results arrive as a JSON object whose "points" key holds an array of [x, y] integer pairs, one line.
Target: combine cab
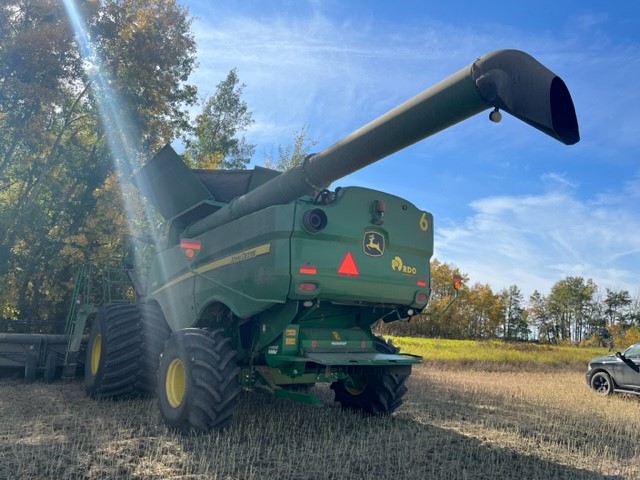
{"points": [[271, 279]]}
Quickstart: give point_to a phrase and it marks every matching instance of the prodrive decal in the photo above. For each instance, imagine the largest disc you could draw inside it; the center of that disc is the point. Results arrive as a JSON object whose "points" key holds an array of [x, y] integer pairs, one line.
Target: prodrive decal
{"points": [[228, 260]]}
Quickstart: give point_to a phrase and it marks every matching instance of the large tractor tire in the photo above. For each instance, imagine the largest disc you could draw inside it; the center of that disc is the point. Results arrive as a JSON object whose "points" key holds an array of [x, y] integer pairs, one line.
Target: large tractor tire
{"points": [[113, 353], [198, 380], [155, 332], [377, 393]]}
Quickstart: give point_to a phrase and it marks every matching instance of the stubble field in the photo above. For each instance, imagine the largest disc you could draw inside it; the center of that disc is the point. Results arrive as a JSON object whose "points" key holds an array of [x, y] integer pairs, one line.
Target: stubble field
{"points": [[455, 423]]}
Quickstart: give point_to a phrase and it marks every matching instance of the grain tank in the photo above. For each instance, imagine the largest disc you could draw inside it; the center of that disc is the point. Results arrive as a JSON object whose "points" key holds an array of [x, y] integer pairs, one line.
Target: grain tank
{"points": [[273, 280]]}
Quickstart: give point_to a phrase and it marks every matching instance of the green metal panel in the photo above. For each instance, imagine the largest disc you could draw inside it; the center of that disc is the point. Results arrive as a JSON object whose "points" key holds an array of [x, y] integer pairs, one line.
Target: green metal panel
{"points": [[244, 265], [362, 359], [170, 186], [392, 259]]}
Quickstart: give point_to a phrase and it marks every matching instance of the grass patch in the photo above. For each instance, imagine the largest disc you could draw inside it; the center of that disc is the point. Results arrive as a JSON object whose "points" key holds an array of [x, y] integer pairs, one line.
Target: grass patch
{"points": [[496, 354]]}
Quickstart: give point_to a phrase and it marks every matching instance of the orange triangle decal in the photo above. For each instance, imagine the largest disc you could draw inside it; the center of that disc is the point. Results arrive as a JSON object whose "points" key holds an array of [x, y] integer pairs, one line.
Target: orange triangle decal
{"points": [[348, 265]]}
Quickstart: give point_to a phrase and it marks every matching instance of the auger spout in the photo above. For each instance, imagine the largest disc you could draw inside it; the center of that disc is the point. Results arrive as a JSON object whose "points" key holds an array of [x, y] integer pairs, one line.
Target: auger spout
{"points": [[509, 80]]}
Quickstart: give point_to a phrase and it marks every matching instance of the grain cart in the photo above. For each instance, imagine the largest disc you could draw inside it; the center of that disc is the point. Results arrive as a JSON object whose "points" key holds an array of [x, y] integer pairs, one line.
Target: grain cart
{"points": [[271, 279]]}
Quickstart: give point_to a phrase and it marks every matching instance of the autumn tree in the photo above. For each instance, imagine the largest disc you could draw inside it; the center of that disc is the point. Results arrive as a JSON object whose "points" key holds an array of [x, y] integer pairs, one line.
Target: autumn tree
{"points": [[54, 153], [481, 312]]}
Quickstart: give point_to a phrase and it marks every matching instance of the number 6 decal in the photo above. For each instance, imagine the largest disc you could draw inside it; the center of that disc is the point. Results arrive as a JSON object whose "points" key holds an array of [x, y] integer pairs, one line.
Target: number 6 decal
{"points": [[424, 224]]}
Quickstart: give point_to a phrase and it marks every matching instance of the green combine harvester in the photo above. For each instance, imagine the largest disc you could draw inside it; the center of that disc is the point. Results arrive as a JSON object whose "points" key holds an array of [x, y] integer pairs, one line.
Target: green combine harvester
{"points": [[272, 280]]}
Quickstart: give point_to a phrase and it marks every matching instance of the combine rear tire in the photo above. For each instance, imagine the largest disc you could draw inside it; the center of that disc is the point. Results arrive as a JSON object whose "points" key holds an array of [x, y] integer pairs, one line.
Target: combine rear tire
{"points": [[155, 332], [197, 380], [379, 393], [113, 353]]}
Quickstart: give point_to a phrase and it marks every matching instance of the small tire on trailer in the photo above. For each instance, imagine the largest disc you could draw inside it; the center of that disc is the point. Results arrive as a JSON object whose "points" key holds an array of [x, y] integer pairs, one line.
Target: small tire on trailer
{"points": [[30, 368], [50, 367], [601, 383], [377, 392], [198, 380], [113, 353], [155, 332]]}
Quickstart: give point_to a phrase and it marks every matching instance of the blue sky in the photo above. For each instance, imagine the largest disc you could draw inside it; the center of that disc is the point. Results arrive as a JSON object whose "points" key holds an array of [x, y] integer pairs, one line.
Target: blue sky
{"points": [[511, 205]]}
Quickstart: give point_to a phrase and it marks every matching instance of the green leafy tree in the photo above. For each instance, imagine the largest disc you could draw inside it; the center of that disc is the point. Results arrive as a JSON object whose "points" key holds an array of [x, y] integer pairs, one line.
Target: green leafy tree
{"points": [[617, 308], [293, 154], [569, 305], [514, 322], [539, 317], [216, 140], [53, 150]]}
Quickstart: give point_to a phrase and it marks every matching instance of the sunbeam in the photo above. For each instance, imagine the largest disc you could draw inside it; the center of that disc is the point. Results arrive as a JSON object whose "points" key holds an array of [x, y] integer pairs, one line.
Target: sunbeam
{"points": [[121, 141]]}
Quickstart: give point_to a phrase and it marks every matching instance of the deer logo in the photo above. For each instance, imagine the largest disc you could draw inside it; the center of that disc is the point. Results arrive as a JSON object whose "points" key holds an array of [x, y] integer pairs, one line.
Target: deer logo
{"points": [[373, 244]]}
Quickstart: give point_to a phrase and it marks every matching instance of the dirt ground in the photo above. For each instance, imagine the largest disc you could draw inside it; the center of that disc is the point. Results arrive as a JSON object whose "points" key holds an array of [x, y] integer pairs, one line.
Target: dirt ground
{"points": [[454, 424]]}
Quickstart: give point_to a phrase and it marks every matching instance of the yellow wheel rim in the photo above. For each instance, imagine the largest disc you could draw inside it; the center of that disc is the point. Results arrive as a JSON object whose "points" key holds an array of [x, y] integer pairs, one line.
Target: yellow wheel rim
{"points": [[355, 386], [175, 384], [96, 351]]}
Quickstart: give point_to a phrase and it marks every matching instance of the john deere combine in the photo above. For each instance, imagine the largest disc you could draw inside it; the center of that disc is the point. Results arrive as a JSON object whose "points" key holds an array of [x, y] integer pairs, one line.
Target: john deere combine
{"points": [[271, 279]]}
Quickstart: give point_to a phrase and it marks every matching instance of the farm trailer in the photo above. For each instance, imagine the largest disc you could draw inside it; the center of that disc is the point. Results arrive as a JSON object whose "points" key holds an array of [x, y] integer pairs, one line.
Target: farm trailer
{"points": [[53, 355]]}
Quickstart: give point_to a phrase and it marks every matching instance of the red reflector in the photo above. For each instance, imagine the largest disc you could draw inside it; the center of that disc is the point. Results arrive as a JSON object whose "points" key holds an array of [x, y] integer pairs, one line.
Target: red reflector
{"points": [[422, 283], [191, 247], [193, 244], [348, 265], [314, 344], [421, 297], [308, 269], [307, 286]]}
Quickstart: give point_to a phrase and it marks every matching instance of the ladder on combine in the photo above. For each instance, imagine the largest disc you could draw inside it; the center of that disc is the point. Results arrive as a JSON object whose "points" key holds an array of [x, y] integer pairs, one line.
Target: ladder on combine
{"points": [[79, 311], [86, 300]]}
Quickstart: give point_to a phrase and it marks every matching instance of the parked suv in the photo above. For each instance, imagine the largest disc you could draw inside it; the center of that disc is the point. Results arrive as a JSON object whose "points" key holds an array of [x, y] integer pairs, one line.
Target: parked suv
{"points": [[616, 373]]}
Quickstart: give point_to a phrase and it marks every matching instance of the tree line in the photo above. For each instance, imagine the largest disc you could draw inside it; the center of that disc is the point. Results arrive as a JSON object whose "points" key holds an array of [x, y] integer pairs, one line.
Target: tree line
{"points": [[65, 191], [575, 311]]}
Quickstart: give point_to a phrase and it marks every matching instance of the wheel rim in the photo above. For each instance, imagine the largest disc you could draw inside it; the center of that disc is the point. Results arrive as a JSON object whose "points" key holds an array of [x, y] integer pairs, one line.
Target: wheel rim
{"points": [[96, 351], [175, 383], [601, 384], [356, 385]]}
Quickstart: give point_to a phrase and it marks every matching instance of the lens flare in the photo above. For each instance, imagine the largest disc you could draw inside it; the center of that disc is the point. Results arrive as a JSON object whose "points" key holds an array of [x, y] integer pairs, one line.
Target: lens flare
{"points": [[119, 132]]}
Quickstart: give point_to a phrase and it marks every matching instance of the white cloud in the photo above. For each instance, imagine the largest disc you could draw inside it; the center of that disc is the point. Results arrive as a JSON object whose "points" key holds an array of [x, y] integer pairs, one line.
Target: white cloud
{"points": [[534, 241], [299, 69]]}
